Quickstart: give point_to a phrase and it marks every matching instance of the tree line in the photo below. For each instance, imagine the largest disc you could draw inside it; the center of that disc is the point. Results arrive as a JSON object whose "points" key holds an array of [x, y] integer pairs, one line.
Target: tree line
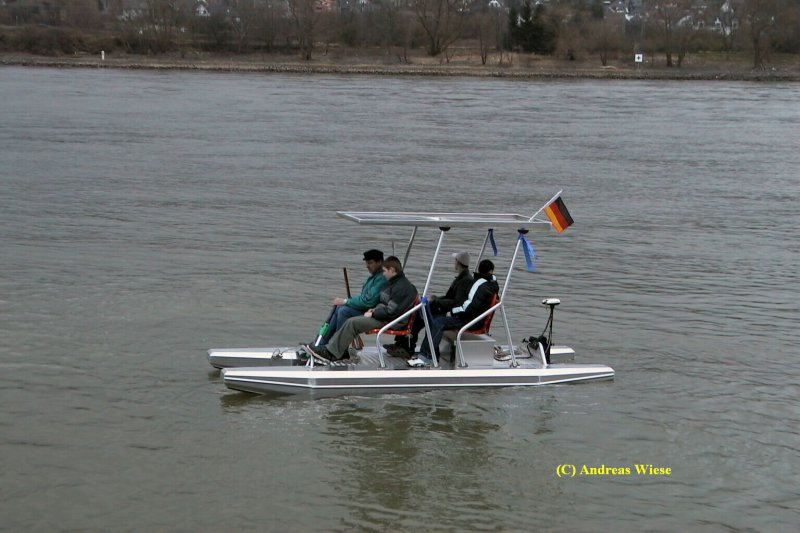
{"points": [[570, 29]]}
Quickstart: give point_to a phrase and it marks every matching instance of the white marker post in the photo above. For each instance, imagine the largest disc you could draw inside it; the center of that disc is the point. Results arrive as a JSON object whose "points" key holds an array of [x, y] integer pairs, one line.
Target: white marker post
{"points": [[638, 58], [102, 55]]}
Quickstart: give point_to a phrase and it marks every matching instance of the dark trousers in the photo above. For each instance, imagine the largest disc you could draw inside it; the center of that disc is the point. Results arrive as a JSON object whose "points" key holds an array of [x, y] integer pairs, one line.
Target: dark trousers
{"points": [[410, 342], [438, 326]]}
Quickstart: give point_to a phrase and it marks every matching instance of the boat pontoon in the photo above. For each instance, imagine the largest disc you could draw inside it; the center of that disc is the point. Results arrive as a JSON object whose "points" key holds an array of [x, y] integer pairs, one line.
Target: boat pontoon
{"points": [[467, 359]]}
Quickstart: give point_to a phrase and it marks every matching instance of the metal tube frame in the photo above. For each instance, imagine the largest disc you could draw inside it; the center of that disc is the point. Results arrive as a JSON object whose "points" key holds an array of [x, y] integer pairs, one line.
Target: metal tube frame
{"points": [[433, 262], [483, 248], [469, 325], [544, 356], [503, 299], [408, 248], [389, 326], [428, 336]]}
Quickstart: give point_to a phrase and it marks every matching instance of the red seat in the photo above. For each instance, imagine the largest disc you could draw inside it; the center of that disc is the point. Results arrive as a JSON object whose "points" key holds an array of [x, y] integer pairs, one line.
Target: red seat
{"points": [[399, 332], [483, 327]]}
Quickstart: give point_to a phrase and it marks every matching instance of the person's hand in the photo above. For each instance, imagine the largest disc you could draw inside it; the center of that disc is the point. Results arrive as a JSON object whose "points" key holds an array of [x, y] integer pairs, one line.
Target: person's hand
{"points": [[368, 313], [339, 301]]}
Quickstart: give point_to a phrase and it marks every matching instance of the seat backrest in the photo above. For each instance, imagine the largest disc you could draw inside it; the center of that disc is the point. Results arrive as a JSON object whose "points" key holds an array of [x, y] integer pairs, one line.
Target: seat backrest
{"points": [[405, 330], [413, 316], [483, 327]]}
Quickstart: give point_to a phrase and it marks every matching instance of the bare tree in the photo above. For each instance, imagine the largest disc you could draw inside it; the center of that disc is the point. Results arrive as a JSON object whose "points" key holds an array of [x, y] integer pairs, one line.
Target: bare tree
{"points": [[216, 31], [685, 35], [482, 27], [161, 18], [406, 31], [269, 24], [487, 36], [387, 24], [243, 20], [441, 20], [761, 17], [605, 38], [572, 24], [81, 13], [305, 19], [670, 14]]}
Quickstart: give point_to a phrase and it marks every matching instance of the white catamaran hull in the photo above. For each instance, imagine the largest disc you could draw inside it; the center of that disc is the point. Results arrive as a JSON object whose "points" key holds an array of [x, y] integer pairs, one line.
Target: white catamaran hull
{"points": [[339, 380], [235, 357], [365, 375]]}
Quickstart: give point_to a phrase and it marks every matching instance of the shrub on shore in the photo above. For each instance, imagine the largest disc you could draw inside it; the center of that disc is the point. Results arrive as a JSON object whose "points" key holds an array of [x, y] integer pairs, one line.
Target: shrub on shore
{"points": [[53, 41]]}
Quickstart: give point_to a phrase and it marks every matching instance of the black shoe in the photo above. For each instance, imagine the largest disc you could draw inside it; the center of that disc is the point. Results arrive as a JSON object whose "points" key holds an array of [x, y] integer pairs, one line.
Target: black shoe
{"points": [[325, 354], [398, 351], [319, 353]]}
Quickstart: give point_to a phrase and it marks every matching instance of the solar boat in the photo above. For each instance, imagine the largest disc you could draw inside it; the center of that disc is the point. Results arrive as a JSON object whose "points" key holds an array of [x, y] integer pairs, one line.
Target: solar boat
{"points": [[470, 357]]}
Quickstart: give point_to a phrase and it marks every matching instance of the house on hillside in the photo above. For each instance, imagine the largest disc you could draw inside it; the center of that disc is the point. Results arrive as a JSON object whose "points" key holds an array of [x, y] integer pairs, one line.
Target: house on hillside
{"points": [[726, 21], [201, 9], [325, 5]]}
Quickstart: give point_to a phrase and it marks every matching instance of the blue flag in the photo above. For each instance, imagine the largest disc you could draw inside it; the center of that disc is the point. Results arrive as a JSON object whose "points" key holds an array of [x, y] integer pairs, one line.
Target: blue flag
{"points": [[530, 253], [491, 240]]}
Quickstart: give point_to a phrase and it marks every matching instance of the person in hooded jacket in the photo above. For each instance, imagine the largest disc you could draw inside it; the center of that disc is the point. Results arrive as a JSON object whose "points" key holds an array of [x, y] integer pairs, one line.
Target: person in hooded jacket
{"points": [[477, 302]]}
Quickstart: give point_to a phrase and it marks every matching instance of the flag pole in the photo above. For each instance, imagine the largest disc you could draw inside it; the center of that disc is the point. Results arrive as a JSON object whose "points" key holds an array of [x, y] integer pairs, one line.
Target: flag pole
{"points": [[550, 201]]}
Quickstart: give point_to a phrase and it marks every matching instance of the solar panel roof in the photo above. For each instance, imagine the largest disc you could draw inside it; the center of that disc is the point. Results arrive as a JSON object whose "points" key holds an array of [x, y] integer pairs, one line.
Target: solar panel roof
{"points": [[450, 220]]}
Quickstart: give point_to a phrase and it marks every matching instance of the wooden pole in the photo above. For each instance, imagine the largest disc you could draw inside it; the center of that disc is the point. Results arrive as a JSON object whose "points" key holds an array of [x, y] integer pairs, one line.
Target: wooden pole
{"points": [[358, 342]]}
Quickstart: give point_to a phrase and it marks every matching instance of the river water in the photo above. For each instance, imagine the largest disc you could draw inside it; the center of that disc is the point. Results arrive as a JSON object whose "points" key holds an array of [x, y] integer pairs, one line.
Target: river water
{"points": [[146, 217]]}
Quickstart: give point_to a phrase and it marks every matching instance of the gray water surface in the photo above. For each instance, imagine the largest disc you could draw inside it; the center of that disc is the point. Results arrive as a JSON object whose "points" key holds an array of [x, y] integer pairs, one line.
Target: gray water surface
{"points": [[146, 217]]}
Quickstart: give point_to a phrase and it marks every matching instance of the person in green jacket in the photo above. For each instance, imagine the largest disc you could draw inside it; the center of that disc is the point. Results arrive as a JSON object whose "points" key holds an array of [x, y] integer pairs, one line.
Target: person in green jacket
{"points": [[358, 304]]}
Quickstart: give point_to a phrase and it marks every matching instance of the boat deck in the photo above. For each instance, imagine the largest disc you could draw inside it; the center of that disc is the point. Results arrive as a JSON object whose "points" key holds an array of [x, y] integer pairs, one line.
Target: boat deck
{"points": [[369, 360]]}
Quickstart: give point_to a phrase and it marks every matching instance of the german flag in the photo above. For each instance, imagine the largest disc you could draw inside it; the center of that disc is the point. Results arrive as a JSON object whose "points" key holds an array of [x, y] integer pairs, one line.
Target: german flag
{"points": [[559, 216]]}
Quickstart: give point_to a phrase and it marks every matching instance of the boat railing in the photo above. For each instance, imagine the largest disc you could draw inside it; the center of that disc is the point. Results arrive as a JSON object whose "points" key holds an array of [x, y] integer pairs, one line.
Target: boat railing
{"points": [[389, 325], [468, 325], [543, 354]]}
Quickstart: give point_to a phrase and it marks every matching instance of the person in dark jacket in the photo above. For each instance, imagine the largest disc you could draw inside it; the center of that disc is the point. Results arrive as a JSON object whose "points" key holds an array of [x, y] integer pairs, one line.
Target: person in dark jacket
{"points": [[454, 297], [395, 299], [478, 300]]}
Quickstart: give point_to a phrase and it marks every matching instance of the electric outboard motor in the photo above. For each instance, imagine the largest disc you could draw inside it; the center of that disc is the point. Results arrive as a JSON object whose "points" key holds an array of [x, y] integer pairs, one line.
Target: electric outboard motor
{"points": [[546, 341]]}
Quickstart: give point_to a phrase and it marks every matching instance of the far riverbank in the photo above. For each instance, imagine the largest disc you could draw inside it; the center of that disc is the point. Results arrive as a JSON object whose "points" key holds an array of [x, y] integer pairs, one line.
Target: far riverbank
{"points": [[515, 66]]}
